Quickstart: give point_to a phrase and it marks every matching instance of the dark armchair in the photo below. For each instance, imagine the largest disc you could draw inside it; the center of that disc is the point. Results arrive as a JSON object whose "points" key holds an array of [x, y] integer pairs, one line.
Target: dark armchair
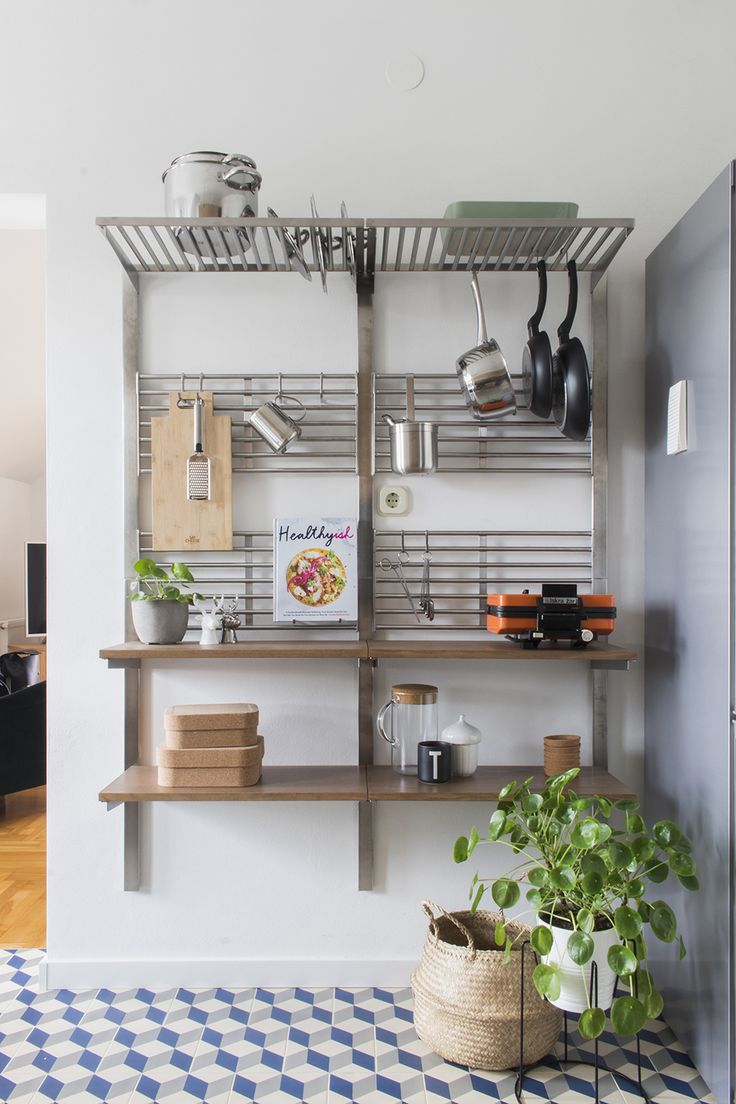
{"points": [[23, 739]]}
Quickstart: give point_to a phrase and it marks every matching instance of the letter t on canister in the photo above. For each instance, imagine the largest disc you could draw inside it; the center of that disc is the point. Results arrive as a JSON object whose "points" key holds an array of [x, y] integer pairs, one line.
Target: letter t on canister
{"points": [[434, 761]]}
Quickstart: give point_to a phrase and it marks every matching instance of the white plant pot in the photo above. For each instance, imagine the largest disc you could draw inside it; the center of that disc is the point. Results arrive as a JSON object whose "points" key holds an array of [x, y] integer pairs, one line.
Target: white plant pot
{"points": [[574, 979]]}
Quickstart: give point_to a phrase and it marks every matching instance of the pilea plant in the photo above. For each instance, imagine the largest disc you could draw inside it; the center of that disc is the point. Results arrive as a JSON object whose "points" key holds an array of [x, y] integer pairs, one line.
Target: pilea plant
{"points": [[154, 584], [586, 876]]}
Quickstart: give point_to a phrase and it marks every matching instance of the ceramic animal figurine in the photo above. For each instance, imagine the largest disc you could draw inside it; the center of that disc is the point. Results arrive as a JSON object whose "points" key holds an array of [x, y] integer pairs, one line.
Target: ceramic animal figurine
{"points": [[230, 621], [210, 621]]}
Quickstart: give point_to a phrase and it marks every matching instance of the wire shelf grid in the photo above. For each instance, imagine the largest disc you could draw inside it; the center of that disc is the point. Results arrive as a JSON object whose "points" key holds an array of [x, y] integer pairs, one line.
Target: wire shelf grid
{"points": [[229, 245], [518, 443], [244, 576], [328, 429], [495, 245], [465, 566], [163, 244]]}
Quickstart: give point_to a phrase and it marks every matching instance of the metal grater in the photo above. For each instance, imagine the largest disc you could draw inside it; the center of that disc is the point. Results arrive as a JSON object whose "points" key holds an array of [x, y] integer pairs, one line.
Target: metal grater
{"points": [[198, 464]]}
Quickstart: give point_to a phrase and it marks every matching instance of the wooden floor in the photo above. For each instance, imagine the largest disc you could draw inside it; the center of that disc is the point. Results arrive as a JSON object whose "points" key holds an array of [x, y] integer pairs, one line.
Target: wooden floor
{"points": [[23, 870]]}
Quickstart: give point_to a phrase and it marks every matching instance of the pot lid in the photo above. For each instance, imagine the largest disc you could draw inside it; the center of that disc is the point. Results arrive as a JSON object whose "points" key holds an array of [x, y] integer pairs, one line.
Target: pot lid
{"points": [[461, 732], [211, 155], [414, 693]]}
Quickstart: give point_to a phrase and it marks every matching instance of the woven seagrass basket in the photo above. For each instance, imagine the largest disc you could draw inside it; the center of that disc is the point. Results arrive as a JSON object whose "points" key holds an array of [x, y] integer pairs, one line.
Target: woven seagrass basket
{"points": [[467, 1003]]}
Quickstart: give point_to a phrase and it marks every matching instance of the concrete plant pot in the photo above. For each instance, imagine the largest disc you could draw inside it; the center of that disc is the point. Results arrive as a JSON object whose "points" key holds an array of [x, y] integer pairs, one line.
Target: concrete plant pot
{"points": [[161, 621]]}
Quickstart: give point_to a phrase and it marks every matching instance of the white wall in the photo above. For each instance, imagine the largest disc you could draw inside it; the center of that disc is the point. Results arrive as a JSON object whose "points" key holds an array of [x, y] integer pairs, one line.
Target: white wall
{"points": [[22, 348], [625, 107]]}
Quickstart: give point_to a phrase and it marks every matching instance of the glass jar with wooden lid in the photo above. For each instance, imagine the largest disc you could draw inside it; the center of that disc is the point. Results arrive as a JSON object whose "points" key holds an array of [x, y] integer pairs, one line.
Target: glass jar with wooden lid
{"points": [[413, 708]]}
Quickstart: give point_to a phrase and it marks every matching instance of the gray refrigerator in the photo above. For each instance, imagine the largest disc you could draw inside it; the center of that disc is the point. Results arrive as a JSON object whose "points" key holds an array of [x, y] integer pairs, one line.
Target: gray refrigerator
{"points": [[689, 725]]}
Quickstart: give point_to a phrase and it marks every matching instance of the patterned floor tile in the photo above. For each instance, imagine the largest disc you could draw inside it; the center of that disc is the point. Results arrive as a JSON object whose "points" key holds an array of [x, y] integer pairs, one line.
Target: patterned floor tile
{"points": [[280, 1046]]}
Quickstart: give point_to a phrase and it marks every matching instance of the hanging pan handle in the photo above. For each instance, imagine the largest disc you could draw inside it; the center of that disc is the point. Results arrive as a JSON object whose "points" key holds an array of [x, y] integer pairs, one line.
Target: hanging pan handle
{"points": [[563, 332], [430, 908], [482, 332], [533, 323]]}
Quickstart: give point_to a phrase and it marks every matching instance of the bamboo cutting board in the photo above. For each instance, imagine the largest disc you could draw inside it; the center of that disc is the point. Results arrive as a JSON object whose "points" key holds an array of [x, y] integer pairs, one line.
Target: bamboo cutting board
{"points": [[180, 524]]}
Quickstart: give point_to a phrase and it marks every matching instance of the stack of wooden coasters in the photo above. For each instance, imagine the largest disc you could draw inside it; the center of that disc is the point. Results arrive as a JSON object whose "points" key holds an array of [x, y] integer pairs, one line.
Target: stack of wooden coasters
{"points": [[210, 745]]}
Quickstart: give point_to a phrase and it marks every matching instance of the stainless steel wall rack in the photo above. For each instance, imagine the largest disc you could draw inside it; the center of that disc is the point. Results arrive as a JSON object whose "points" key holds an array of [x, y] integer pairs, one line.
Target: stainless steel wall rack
{"points": [[522, 443], [329, 428], [383, 245], [496, 245], [470, 560], [466, 566], [246, 572], [253, 244]]}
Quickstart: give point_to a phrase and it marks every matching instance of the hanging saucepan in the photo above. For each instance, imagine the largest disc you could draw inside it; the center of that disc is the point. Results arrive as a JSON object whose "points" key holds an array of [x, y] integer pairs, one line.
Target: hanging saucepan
{"points": [[570, 373], [483, 374], [536, 363], [211, 185]]}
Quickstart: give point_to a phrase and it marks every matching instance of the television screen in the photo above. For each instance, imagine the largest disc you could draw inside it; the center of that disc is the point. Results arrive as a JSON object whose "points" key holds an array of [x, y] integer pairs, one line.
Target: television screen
{"points": [[35, 589]]}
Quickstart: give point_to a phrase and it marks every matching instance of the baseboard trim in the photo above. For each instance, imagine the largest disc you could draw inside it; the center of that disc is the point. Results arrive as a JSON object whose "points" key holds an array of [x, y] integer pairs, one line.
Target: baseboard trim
{"points": [[43, 981], [239, 974]]}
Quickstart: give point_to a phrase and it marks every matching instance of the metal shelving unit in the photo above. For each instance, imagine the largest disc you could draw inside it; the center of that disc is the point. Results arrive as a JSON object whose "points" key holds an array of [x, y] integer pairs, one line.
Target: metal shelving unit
{"points": [[360, 249]]}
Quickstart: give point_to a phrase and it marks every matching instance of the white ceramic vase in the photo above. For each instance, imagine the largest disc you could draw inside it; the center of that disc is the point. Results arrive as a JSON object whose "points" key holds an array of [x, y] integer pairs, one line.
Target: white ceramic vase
{"points": [[465, 739], [574, 979]]}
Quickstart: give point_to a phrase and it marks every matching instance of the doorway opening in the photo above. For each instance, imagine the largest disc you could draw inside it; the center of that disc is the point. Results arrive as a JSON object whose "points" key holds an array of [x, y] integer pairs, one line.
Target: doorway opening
{"points": [[22, 571]]}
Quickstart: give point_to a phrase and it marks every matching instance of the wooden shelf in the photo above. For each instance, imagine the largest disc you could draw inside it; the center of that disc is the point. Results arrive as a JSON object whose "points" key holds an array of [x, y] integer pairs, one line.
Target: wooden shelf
{"points": [[598, 655], [298, 783], [329, 783], [384, 784], [251, 649]]}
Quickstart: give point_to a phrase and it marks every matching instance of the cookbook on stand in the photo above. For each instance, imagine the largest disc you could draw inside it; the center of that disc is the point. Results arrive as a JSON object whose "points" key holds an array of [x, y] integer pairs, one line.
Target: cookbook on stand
{"points": [[315, 569]]}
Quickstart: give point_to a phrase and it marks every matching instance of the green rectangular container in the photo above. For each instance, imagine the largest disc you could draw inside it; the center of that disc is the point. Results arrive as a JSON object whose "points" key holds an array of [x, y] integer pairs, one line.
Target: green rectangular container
{"points": [[504, 209]]}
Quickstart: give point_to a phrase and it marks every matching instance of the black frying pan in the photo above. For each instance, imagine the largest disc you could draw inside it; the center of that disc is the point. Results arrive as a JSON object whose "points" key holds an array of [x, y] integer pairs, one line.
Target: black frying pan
{"points": [[570, 373], [536, 363]]}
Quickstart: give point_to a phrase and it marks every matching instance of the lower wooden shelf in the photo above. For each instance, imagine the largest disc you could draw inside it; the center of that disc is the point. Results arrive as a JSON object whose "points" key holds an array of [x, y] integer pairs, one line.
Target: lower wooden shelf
{"points": [[296, 783], [384, 784], [331, 783]]}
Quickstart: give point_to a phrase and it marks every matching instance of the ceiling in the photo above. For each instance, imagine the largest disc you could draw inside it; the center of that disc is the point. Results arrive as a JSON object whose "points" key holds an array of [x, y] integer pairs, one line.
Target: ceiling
{"points": [[22, 347]]}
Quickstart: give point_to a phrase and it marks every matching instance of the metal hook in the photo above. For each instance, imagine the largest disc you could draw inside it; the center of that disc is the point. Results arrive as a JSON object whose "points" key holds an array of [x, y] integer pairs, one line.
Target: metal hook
{"points": [[201, 381], [183, 404], [321, 388], [426, 541], [403, 545]]}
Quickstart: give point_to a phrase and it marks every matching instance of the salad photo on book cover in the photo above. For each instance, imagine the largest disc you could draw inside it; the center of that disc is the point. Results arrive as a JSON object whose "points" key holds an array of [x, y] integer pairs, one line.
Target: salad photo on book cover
{"points": [[315, 569]]}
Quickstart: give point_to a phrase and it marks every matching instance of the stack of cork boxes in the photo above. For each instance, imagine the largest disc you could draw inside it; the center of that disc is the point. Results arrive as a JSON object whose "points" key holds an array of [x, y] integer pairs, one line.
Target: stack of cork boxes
{"points": [[210, 745]]}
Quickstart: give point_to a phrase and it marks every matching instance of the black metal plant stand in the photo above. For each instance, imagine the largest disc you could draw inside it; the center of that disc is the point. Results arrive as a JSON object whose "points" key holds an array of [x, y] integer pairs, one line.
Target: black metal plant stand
{"points": [[598, 1065]]}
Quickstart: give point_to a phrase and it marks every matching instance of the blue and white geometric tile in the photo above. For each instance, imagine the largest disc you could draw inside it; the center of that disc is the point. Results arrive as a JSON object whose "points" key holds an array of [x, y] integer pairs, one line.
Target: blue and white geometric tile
{"points": [[277, 1046]]}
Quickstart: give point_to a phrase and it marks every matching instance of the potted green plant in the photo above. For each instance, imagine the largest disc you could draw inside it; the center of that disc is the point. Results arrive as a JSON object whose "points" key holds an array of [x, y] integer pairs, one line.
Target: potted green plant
{"points": [[161, 602], [589, 885]]}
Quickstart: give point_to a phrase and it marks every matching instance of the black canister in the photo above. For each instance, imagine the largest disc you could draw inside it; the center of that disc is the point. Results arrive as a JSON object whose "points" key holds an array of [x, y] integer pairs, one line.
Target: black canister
{"points": [[434, 761]]}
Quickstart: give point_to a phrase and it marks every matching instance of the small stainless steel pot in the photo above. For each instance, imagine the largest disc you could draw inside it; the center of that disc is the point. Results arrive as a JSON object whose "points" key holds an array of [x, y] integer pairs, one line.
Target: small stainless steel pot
{"points": [[413, 446], [275, 426], [212, 185], [413, 443]]}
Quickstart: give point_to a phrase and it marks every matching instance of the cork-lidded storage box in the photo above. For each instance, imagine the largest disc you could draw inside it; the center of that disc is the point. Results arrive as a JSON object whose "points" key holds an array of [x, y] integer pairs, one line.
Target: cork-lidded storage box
{"points": [[211, 726], [214, 766]]}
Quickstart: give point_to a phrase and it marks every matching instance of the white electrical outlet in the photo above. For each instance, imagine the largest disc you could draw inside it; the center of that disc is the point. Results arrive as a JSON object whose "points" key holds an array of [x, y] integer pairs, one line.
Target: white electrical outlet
{"points": [[393, 500]]}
